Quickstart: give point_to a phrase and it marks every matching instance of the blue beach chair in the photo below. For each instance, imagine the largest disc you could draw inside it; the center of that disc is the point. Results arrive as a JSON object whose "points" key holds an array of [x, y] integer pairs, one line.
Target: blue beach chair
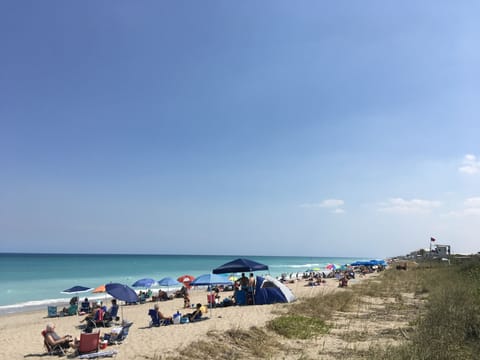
{"points": [[52, 311], [156, 321]]}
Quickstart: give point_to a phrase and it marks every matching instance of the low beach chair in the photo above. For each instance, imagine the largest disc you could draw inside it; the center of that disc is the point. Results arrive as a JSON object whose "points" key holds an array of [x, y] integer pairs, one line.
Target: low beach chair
{"points": [[71, 310], [98, 321], [89, 343], [85, 307], [112, 315], [118, 335], [52, 311], [52, 349], [155, 319]]}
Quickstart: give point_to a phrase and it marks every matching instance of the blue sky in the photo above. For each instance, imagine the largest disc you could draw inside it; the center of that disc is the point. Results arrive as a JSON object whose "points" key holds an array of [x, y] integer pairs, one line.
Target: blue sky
{"points": [[272, 128]]}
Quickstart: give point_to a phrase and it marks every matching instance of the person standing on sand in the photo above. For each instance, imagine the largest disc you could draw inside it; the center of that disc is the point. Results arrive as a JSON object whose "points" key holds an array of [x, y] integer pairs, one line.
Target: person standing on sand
{"points": [[252, 282], [243, 282]]}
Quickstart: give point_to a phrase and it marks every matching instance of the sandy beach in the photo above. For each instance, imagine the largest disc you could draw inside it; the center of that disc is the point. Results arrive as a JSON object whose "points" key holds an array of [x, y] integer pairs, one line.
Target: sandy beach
{"points": [[20, 334]]}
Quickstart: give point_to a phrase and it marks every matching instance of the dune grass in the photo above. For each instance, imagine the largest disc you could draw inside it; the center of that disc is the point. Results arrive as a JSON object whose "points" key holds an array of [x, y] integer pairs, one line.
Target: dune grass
{"points": [[231, 344]]}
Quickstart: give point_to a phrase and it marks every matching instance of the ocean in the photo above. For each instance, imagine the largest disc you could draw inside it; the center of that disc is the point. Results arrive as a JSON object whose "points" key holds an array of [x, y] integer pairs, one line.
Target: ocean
{"points": [[33, 281]]}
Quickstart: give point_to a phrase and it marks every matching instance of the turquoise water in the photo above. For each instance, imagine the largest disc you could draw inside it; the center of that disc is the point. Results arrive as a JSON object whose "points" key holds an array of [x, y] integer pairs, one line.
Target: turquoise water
{"points": [[29, 281]]}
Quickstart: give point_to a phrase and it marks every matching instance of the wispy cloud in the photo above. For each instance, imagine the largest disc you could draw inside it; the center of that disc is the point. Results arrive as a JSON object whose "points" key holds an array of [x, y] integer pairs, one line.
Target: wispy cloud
{"points": [[471, 208], [413, 206], [472, 202], [333, 204], [470, 165]]}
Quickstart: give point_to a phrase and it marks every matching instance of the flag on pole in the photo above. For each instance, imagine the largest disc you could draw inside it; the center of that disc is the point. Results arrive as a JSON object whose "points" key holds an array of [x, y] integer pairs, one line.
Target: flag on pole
{"points": [[432, 239]]}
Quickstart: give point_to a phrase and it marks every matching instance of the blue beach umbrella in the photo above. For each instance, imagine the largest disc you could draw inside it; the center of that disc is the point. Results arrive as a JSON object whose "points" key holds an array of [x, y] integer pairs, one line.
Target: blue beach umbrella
{"points": [[122, 292], [76, 289], [144, 283], [169, 281], [210, 279]]}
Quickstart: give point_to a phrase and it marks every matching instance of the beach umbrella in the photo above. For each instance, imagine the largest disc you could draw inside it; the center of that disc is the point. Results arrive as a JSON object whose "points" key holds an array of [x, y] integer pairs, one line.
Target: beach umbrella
{"points": [[211, 279], [99, 289], [122, 292], [144, 283], [331, 266], [186, 278], [168, 281], [240, 265], [76, 289]]}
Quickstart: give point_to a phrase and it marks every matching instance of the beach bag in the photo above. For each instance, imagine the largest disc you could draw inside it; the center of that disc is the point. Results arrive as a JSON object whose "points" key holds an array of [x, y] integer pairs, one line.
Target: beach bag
{"points": [[184, 320]]}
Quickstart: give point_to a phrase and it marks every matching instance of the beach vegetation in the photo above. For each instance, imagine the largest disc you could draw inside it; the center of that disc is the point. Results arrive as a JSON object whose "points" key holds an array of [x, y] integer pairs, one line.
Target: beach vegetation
{"points": [[298, 327], [254, 343]]}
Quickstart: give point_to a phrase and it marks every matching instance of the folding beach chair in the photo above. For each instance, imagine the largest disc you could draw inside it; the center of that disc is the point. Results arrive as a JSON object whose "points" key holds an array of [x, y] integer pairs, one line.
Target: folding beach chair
{"points": [[98, 321], [89, 343], [156, 321], [73, 310], [52, 349], [118, 335], [52, 311]]}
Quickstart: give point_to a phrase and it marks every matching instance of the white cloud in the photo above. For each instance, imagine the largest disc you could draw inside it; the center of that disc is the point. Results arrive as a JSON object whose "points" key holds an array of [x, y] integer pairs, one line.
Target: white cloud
{"points": [[329, 203], [402, 206], [472, 208], [470, 165], [472, 202], [334, 204]]}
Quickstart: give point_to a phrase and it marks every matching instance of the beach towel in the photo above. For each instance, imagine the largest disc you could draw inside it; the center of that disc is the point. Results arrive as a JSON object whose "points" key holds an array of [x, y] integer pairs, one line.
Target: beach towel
{"points": [[109, 353]]}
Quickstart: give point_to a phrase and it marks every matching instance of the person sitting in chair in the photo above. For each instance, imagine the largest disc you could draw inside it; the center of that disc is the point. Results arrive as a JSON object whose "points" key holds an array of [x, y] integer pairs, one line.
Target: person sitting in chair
{"points": [[53, 339], [169, 319], [111, 314], [197, 314]]}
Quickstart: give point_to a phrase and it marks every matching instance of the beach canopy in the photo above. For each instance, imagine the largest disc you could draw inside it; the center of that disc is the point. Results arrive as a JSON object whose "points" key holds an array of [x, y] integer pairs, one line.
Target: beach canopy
{"points": [[144, 283], [369, 263], [76, 289], [122, 292], [210, 279], [240, 265], [168, 281]]}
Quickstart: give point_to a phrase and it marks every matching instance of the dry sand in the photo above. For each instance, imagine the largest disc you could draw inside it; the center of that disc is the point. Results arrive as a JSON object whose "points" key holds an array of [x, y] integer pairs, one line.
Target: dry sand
{"points": [[20, 334]]}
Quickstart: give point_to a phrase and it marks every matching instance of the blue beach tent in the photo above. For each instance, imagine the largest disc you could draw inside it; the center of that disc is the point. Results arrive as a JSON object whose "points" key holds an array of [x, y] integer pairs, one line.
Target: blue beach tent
{"points": [[270, 291]]}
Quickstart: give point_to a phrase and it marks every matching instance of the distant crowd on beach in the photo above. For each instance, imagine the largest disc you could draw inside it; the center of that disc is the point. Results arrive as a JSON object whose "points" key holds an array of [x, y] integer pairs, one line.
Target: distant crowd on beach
{"points": [[314, 278]]}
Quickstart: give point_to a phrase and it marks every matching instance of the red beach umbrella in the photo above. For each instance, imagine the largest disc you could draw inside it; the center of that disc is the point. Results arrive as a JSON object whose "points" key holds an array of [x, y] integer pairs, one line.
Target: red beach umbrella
{"points": [[186, 278]]}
